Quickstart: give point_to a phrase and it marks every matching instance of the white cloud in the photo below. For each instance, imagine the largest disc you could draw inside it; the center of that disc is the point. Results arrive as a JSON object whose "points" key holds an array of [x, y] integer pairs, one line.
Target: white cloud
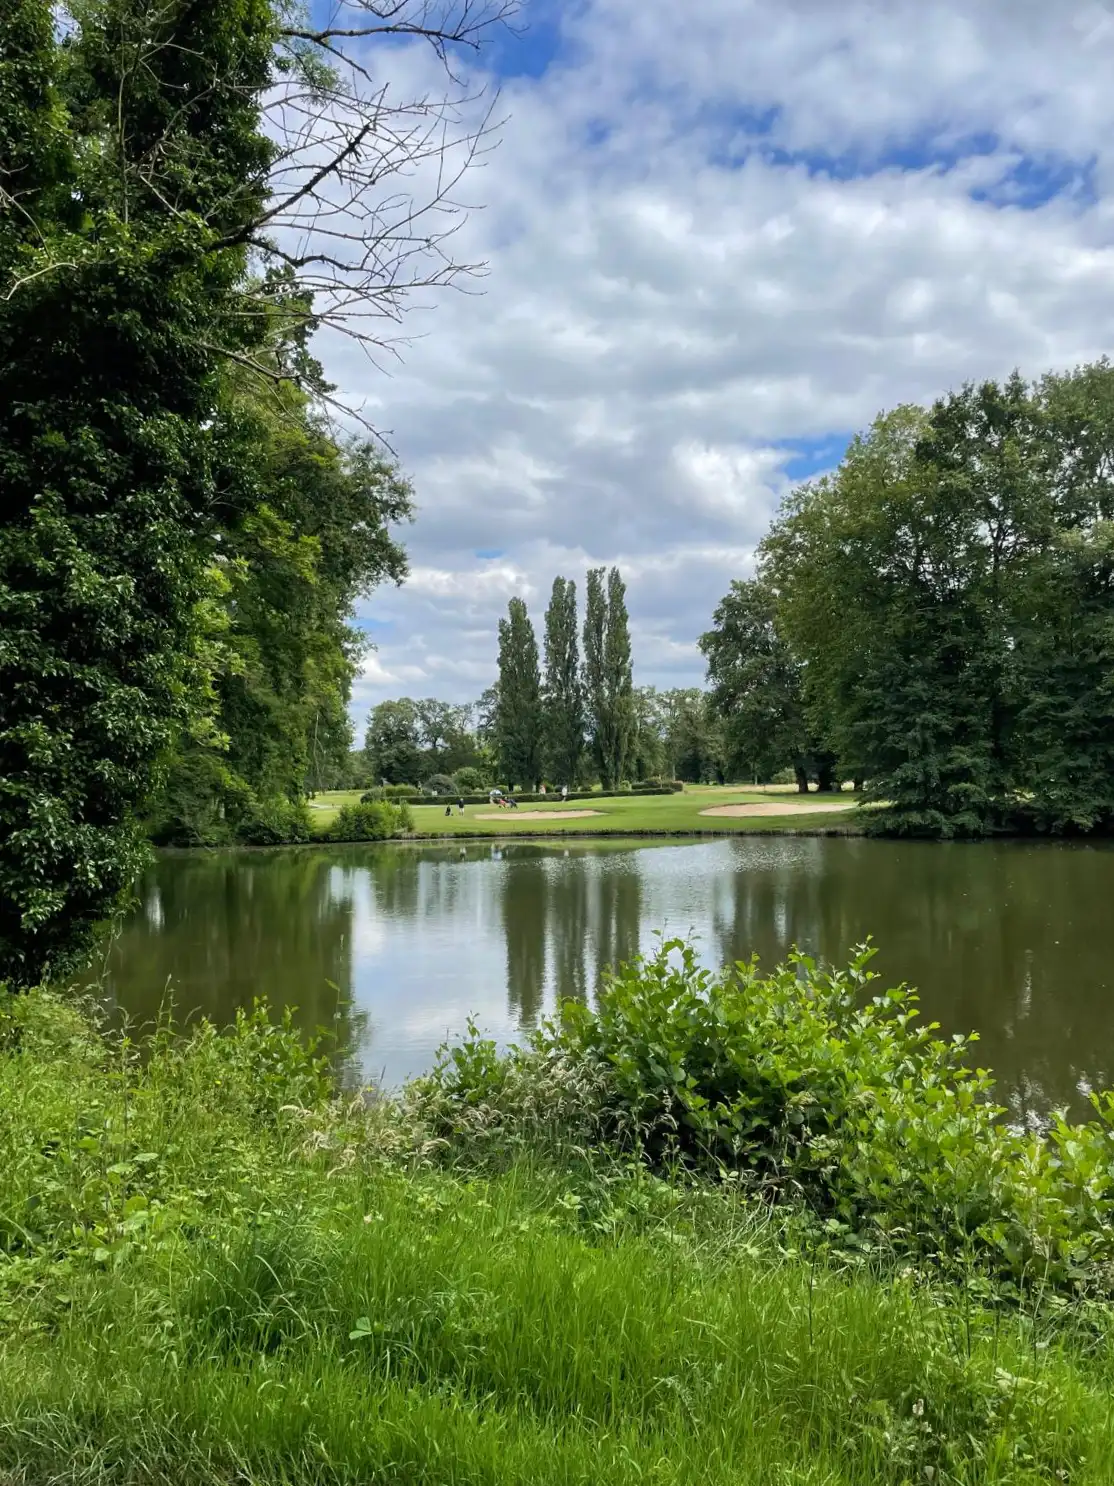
{"points": [[671, 298]]}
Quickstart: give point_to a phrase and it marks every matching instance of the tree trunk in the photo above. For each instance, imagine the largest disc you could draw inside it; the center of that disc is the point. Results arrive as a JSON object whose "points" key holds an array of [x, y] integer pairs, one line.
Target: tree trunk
{"points": [[802, 778]]}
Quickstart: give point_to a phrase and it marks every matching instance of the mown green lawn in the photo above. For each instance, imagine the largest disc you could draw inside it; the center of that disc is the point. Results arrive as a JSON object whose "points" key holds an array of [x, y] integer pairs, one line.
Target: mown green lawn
{"points": [[621, 815]]}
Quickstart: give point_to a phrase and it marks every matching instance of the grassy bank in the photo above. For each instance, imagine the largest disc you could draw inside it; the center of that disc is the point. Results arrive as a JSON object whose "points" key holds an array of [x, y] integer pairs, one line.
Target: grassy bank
{"points": [[213, 1269], [617, 815]]}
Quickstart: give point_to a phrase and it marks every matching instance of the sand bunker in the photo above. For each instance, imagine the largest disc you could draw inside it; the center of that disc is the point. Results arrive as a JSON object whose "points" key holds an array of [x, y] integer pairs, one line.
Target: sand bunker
{"points": [[537, 814], [776, 809]]}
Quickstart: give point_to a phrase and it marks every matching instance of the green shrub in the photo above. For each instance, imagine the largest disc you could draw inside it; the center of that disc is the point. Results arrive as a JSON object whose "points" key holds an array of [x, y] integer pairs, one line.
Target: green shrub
{"points": [[202, 802], [213, 1271], [373, 795], [276, 822], [377, 821], [401, 791], [471, 781], [440, 784], [802, 1086]]}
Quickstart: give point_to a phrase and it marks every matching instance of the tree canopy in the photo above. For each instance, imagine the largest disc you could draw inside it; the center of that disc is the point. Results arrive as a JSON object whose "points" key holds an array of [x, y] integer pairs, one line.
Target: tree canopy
{"points": [[563, 694], [608, 683], [518, 729], [176, 566], [948, 595]]}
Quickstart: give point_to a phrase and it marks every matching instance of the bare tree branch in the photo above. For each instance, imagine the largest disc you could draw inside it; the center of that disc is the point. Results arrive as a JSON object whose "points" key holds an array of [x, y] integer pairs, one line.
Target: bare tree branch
{"points": [[361, 199]]}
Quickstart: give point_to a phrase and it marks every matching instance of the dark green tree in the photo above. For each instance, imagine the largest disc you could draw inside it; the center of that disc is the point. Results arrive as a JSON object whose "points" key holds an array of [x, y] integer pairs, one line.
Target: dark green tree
{"points": [[117, 306], [152, 229], [647, 753], [1035, 465], [874, 573], [756, 687], [692, 736], [447, 739], [563, 697], [608, 684], [392, 745], [316, 537], [519, 718], [949, 591]]}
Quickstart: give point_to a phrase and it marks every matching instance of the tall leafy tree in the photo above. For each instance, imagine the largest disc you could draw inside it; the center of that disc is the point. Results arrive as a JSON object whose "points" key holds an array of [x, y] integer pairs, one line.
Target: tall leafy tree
{"points": [[756, 685], [950, 591], [392, 746], [519, 717], [563, 694], [608, 683], [151, 230], [873, 570], [316, 536], [647, 752], [117, 301], [692, 736]]}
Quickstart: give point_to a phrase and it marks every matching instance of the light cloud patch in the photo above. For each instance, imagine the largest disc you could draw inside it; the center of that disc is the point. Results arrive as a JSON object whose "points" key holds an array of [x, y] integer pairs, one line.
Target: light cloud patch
{"points": [[716, 248]]}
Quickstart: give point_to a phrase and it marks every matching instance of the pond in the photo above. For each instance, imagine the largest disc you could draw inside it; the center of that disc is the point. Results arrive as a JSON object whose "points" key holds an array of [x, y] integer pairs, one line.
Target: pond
{"points": [[398, 945]]}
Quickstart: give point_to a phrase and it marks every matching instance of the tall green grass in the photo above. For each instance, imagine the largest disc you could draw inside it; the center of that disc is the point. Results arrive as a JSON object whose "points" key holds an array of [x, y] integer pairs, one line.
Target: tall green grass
{"points": [[213, 1271]]}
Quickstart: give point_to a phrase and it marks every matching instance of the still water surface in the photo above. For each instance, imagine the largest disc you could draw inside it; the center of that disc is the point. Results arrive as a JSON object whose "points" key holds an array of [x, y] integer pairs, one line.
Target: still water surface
{"points": [[1009, 939]]}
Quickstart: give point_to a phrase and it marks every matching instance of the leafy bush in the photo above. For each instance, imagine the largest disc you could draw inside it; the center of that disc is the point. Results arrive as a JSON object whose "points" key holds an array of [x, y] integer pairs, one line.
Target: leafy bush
{"points": [[202, 803], [800, 1085], [376, 821], [440, 784], [371, 796], [401, 791], [277, 822], [212, 1270], [471, 781]]}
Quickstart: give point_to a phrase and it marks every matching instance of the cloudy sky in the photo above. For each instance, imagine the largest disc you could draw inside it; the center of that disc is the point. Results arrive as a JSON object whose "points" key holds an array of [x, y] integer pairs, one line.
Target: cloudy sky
{"points": [[721, 236]]}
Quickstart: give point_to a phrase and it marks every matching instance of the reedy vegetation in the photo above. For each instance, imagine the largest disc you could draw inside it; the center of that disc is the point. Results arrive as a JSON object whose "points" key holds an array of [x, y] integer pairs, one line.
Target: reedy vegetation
{"points": [[214, 1266]]}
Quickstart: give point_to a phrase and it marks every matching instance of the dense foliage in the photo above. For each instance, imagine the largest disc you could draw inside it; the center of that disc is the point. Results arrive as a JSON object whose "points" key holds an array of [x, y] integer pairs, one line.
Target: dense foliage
{"points": [[119, 280], [608, 686], [948, 599], [756, 690], [314, 536], [675, 734], [563, 695], [375, 820], [801, 1087], [413, 742], [181, 534], [213, 1268], [518, 719]]}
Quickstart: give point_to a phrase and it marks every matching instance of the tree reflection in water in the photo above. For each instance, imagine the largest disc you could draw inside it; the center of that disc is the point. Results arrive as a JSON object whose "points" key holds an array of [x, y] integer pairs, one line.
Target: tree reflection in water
{"points": [[1008, 939]]}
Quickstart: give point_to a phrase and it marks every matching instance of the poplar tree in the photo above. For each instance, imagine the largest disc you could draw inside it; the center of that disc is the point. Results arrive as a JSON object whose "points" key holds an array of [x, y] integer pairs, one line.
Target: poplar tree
{"points": [[608, 681], [563, 701], [519, 718]]}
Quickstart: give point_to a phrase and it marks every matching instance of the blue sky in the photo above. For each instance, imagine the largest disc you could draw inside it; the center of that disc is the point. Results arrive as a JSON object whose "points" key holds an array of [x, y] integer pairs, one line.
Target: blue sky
{"points": [[715, 248]]}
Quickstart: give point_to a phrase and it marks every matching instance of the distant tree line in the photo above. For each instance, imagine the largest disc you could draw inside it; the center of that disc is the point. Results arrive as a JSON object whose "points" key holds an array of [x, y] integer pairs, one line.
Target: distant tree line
{"points": [[936, 618], [569, 714]]}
